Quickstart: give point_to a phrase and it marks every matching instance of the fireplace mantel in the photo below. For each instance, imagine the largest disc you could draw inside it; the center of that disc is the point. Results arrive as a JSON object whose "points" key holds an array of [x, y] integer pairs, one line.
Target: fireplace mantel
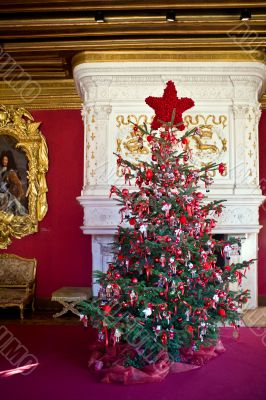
{"points": [[226, 105]]}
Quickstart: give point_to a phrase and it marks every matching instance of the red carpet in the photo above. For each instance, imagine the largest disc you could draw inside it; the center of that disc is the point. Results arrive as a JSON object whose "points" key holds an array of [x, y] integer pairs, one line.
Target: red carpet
{"points": [[238, 374]]}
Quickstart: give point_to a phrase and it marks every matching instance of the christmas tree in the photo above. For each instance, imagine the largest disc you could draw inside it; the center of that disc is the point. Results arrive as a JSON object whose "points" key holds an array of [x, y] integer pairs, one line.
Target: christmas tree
{"points": [[164, 295]]}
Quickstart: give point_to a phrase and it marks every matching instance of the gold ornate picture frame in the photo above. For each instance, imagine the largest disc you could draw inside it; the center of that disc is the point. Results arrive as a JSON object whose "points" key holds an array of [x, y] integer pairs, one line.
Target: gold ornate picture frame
{"points": [[23, 165]]}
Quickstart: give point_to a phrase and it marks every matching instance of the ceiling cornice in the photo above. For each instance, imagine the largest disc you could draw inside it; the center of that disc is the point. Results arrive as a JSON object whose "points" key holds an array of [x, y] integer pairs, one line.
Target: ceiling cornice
{"points": [[53, 94], [175, 56]]}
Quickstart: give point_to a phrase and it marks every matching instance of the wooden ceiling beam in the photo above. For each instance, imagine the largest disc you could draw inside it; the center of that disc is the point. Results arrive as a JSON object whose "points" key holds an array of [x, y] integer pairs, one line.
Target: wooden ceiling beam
{"points": [[82, 5]]}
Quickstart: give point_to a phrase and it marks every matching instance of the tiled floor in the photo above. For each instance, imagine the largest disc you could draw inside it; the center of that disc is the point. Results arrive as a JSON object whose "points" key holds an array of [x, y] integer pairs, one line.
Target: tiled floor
{"points": [[256, 317]]}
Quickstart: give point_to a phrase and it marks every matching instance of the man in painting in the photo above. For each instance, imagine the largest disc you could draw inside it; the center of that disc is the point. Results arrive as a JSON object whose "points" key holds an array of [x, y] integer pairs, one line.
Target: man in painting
{"points": [[11, 190]]}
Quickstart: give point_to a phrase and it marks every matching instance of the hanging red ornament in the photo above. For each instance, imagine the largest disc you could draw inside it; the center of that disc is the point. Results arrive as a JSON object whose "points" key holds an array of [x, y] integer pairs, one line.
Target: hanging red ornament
{"points": [[222, 312], [190, 329], [164, 338], [113, 190], [119, 160], [182, 220], [139, 181], [200, 195], [149, 138], [134, 280], [163, 167], [132, 221], [221, 168], [178, 252], [206, 265], [125, 192], [162, 260], [153, 157], [148, 269], [106, 309], [149, 174], [184, 140]]}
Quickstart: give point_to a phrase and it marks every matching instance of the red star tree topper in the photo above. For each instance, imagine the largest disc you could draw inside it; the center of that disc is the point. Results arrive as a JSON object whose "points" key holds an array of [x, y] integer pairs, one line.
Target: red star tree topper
{"points": [[165, 105]]}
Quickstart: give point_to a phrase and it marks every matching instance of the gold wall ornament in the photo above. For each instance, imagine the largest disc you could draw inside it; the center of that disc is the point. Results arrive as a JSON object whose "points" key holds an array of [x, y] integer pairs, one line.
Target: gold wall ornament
{"points": [[210, 145], [131, 143], [23, 165]]}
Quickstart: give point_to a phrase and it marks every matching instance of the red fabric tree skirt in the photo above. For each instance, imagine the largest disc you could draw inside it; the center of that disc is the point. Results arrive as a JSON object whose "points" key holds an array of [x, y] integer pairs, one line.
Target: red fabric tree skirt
{"points": [[108, 364]]}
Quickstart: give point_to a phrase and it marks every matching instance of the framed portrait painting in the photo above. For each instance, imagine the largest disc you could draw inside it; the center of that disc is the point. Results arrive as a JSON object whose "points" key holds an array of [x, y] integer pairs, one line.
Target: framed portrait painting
{"points": [[23, 165]]}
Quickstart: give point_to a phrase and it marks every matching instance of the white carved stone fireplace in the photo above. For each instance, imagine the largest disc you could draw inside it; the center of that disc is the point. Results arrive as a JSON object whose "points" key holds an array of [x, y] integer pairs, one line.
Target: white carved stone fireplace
{"points": [[227, 110]]}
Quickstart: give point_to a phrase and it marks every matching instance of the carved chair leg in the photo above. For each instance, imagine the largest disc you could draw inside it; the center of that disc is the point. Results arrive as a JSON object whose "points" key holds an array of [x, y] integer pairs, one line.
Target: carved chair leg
{"points": [[21, 312]]}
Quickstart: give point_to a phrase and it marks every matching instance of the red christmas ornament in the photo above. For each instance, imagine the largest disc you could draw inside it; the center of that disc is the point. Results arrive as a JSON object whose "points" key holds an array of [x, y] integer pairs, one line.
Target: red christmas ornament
{"points": [[132, 221], [153, 157], [149, 174], [206, 265], [164, 106], [149, 138], [113, 190], [106, 309], [222, 312], [200, 195], [183, 220], [125, 192], [134, 280], [117, 275], [119, 160], [164, 338], [162, 167], [184, 140], [178, 252], [221, 168], [190, 329]]}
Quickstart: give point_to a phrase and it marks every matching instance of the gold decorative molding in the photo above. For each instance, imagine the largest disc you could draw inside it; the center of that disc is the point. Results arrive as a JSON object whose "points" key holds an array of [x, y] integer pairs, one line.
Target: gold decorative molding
{"points": [[52, 94], [164, 56]]}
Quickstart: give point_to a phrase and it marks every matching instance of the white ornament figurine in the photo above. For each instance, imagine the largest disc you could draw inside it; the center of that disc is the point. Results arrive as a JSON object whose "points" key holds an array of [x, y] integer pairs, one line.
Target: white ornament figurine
{"points": [[147, 312], [117, 335]]}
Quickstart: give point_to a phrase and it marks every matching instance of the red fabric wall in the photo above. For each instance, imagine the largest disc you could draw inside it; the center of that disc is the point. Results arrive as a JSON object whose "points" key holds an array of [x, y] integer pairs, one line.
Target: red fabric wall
{"points": [[62, 250], [262, 234]]}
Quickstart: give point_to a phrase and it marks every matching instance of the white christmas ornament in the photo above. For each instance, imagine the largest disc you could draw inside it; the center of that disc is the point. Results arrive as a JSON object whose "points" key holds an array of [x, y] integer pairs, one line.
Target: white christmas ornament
{"points": [[147, 312]]}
